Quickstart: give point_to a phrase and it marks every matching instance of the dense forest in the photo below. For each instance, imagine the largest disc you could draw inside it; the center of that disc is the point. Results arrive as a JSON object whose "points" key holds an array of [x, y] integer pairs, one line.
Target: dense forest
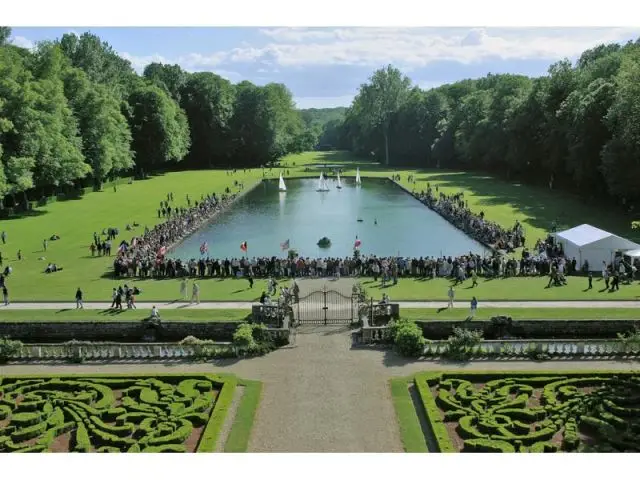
{"points": [[576, 128], [73, 113]]}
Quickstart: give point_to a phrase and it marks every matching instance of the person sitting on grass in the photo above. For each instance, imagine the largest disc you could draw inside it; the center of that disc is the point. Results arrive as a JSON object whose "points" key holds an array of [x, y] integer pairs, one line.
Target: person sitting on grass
{"points": [[52, 267], [155, 313]]}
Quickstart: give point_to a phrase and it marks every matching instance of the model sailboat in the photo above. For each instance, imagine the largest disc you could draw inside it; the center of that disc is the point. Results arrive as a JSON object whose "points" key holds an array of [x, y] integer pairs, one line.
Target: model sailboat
{"points": [[322, 184], [358, 181], [339, 182], [282, 187]]}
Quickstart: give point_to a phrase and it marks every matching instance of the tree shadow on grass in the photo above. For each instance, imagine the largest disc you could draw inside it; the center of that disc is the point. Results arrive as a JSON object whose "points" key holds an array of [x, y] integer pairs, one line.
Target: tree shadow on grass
{"points": [[540, 206]]}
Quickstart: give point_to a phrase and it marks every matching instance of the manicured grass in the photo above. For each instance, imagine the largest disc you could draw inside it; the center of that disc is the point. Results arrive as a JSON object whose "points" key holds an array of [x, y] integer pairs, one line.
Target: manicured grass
{"points": [[76, 220], [411, 434], [514, 289], [72, 315], [523, 313], [238, 439]]}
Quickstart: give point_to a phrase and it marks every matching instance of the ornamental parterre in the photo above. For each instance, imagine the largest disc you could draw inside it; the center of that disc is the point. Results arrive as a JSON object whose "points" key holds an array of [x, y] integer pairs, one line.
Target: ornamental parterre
{"points": [[532, 413], [108, 414]]}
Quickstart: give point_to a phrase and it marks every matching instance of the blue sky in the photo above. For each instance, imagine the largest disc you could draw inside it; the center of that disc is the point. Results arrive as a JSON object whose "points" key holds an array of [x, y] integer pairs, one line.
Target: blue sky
{"points": [[323, 67]]}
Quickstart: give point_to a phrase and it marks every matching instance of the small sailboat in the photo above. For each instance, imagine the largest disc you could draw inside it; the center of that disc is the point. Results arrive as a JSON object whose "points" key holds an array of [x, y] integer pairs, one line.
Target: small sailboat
{"points": [[322, 184], [281, 186], [339, 182], [358, 181]]}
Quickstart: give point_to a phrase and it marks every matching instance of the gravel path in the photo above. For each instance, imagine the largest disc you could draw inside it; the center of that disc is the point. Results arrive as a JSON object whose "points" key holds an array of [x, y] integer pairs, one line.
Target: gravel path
{"points": [[144, 306], [322, 395]]}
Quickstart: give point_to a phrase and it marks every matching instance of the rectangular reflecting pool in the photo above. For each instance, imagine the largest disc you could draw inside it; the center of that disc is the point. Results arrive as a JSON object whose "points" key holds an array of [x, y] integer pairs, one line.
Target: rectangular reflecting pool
{"points": [[393, 223]]}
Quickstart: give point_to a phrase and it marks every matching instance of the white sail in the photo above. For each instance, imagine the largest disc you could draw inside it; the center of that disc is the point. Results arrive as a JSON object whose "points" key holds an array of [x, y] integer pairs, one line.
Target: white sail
{"points": [[339, 182], [322, 184], [282, 187], [358, 181]]}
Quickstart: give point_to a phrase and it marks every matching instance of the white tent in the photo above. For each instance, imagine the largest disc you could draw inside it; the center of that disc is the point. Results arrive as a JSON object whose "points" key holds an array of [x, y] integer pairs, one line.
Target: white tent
{"points": [[590, 244], [633, 253]]}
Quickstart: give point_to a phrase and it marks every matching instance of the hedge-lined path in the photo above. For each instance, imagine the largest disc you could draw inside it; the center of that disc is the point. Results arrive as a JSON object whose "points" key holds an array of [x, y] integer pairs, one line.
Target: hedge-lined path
{"points": [[320, 394], [247, 305]]}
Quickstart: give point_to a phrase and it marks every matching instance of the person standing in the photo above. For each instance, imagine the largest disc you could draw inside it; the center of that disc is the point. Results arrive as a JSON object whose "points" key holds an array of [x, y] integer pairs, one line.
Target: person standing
{"points": [[590, 281], [44, 245], [195, 297], [250, 278], [79, 299], [451, 294], [605, 275], [474, 306], [4, 237], [5, 294], [183, 289], [19, 254]]}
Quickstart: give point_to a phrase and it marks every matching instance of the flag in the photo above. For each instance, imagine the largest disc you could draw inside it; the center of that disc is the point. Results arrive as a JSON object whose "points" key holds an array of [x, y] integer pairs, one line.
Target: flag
{"points": [[243, 246], [285, 245], [357, 244], [204, 248]]}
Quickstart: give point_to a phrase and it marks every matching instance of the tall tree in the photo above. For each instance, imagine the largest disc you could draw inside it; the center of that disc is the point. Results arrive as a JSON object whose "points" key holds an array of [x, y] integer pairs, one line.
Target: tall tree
{"points": [[208, 102], [159, 128], [382, 97]]}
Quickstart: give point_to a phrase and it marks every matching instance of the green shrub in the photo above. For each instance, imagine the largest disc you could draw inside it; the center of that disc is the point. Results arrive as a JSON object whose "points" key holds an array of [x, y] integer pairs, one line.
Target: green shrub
{"points": [[179, 436], [243, 337], [460, 345], [120, 430], [408, 338], [29, 432], [165, 449], [484, 445], [25, 419], [8, 348], [82, 443]]}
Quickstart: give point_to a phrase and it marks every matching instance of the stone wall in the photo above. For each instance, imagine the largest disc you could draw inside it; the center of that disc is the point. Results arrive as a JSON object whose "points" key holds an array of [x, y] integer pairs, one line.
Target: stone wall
{"points": [[34, 332], [437, 330]]}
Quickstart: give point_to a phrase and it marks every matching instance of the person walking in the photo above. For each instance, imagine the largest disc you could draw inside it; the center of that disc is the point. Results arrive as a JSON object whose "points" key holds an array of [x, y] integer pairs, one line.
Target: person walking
{"points": [[195, 297], [590, 281], [114, 295], [4, 237], [451, 294], [5, 294], [183, 289], [250, 278], [474, 276], [79, 299], [474, 306], [119, 299], [605, 275]]}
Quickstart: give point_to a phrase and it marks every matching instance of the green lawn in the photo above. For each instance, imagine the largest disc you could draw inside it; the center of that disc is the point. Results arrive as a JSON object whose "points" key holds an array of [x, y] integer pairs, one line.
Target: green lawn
{"points": [[238, 439], [72, 315], [76, 220], [239, 315], [411, 434], [523, 313]]}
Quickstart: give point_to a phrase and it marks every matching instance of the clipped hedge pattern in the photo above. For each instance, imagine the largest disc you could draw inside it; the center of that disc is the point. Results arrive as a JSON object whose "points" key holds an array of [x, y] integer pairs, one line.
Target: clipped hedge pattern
{"points": [[531, 412], [106, 414]]}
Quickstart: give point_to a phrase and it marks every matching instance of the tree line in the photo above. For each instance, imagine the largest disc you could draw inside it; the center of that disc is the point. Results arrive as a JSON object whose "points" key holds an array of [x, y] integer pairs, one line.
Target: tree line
{"points": [[576, 128], [75, 113]]}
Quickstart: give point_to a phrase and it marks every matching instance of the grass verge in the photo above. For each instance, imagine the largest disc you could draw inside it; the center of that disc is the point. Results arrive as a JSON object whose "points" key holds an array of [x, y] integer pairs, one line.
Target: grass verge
{"points": [[238, 440], [411, 434], [72, 315]]}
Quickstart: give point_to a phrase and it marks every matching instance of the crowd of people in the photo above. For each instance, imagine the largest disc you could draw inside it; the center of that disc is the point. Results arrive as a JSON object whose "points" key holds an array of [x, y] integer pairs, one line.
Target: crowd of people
{"points": [[456, 210], [146, 255]]}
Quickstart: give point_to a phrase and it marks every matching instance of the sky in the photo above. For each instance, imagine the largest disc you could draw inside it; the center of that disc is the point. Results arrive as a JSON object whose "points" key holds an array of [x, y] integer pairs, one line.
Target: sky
{"points": [[324, 67]]}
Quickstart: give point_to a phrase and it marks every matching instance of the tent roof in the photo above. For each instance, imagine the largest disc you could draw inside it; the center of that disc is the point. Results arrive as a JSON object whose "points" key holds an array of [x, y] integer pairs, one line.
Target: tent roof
{"points": [[584, 235], [633, 253]]}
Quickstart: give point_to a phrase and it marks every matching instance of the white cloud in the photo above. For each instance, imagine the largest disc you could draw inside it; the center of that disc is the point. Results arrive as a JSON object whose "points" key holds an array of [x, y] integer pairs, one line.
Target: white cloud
{"points": [[192, 62], [324, 102], [418, 47], [22, 42]]}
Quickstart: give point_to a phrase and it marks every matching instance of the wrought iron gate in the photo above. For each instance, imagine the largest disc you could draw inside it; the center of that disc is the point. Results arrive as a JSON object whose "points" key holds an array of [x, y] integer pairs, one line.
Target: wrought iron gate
{"points": [[326, 307]]}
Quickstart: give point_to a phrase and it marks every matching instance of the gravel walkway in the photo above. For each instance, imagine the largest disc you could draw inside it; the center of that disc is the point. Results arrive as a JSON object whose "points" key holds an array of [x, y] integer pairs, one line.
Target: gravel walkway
{"points": [[321, 395]]}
